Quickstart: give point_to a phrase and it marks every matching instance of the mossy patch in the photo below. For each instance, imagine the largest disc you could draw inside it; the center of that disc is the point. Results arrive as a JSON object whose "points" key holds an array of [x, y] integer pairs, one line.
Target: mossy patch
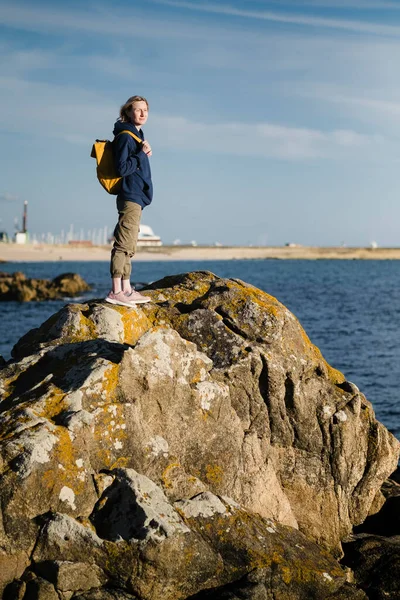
{"points": [[53, 405], [110, 383], [214, 474], [166, 475]]}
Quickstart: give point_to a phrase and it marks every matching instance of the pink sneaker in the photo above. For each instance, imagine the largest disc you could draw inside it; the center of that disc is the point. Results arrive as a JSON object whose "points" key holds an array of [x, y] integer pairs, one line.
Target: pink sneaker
{"points": [[119, 298], [136, 297]]}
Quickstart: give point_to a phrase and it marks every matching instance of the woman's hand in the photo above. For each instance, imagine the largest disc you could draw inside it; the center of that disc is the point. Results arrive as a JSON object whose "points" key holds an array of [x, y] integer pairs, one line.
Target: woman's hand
{"points": [[146, 148]]}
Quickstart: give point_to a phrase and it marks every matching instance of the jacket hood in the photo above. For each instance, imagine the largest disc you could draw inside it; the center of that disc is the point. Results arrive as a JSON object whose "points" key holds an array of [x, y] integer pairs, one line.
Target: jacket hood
{"points": [[119, 126]]}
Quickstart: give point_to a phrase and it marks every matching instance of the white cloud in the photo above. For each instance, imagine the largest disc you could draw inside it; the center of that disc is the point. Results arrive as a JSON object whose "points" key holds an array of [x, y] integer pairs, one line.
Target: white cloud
{"points": [[276, 17], [8, 197], [197, 44], [391, 109], [15, 60], [262, 139], [379, 108], [277, 68], [126, 24], [71, 114], [54, 110], [336, 4], [101, 19]]}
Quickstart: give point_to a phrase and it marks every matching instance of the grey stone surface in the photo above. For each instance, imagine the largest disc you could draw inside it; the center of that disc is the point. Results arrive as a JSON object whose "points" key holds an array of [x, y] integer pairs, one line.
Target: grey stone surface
{"points": [[134, 508]]}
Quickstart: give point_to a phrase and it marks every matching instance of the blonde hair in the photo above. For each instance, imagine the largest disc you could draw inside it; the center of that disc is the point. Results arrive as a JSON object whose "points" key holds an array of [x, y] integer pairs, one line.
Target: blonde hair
{"points": [[128, 104]]}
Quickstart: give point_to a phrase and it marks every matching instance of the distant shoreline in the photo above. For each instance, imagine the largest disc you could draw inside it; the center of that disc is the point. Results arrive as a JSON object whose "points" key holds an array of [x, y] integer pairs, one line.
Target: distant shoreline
{"points": [[15, 253]]}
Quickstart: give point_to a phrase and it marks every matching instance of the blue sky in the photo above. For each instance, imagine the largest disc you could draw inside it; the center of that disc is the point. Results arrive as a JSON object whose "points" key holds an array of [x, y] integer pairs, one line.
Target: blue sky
{"points": [[270, 121]]}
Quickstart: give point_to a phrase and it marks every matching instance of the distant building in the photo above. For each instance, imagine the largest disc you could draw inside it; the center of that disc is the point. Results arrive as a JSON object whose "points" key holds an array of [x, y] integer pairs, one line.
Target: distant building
{"points": [[21, 237], [147, 237]]}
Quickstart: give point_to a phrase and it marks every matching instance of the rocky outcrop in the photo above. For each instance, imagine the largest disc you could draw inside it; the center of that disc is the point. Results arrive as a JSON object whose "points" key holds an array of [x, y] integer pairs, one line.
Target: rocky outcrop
{"points": [[16, 286], [193, 446]]}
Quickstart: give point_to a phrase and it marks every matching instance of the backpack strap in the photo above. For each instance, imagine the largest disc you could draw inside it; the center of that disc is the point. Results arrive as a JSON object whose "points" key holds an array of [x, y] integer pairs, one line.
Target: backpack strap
{"points": [[135, 137]]}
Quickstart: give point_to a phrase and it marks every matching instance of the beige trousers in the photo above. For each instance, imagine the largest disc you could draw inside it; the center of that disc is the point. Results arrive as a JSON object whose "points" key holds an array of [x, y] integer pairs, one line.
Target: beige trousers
{"points": [[125, 238]]}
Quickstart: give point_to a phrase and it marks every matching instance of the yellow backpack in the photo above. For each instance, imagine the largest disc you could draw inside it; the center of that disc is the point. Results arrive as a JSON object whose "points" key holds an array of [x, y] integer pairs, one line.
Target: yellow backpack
{"points": [[106, 173]]}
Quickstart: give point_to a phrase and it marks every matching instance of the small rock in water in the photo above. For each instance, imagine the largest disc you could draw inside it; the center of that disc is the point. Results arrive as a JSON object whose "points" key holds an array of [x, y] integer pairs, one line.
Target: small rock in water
{"points": [[17, 287]]}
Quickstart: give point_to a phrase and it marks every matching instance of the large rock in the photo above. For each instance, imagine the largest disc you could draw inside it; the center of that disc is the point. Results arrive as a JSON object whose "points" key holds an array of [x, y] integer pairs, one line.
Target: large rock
{"points": [[16, 286], [210, 396], [138, 541]]}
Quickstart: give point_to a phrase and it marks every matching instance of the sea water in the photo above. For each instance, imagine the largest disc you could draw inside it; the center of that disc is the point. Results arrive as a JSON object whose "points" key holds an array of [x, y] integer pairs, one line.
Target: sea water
{"points": [[349, 309]]}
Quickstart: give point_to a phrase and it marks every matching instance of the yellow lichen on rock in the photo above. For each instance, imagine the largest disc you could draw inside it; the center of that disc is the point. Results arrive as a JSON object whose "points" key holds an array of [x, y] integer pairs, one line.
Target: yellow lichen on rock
{"points": [[214, 474], [88, 328], [110, 436], [7, 387], [52, 405], [183, 294], [135, 325], [166, 476], [78, 327], [110, 384], [334, 375], [67, 467], [247, 293], [298, 344]]}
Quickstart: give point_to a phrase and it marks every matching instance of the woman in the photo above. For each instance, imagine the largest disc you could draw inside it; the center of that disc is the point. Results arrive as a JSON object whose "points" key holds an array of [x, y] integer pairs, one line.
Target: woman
{"points": [[131, 157]]}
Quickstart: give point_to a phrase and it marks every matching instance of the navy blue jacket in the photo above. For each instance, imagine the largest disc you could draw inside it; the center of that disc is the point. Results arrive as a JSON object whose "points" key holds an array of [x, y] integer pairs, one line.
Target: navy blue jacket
{"points": [[132, 164]]}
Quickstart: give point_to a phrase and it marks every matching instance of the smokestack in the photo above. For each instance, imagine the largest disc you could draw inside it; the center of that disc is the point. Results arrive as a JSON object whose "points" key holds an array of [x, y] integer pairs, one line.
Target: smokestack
{"points": [[25, 217]]}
